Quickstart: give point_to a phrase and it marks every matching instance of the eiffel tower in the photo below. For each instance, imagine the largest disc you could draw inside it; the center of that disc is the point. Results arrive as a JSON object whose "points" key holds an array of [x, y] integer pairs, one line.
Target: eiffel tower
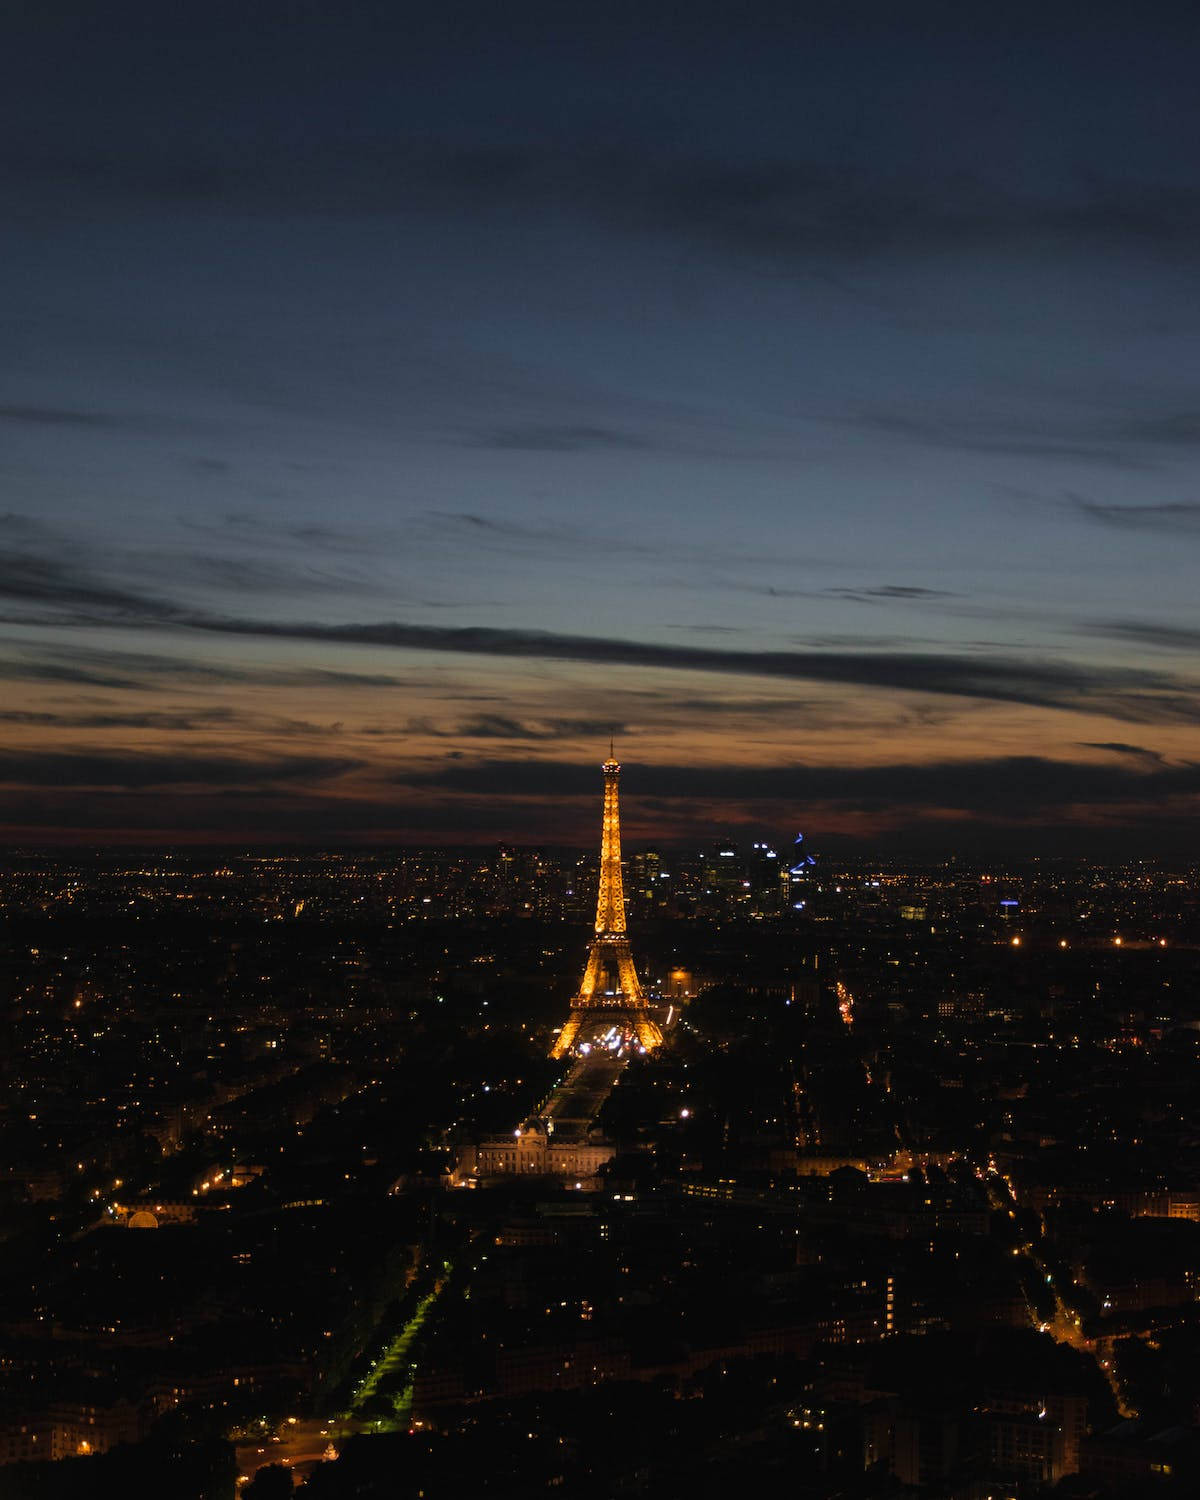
{"points": [[610, 991]]}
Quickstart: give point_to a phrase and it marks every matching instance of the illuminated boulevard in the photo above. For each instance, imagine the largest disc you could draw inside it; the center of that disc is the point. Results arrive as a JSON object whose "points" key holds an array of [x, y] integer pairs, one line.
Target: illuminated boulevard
{"points": [[300, 1444], [578, 1099]]}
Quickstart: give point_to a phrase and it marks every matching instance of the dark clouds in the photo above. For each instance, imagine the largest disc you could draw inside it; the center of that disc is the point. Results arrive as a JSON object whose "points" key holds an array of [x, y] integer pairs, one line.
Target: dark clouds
{"points": [[42, 567], [62, 768], [1083, 802], [29, 576], [1126, 694], [251, 816], [1119, 747], [1016, 786], [184, 721], [146, 672]]}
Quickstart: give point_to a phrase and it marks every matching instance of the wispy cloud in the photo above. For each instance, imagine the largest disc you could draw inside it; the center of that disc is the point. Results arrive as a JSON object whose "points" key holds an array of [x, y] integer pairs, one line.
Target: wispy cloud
{"points": [[237, 528], [890, 593], [769, 208], [1134, 752], [1171, 429], [1178, 516], [42, 568], [56, 416], [1151, 633], [1012, 437], [556, 438], [504, 727]]}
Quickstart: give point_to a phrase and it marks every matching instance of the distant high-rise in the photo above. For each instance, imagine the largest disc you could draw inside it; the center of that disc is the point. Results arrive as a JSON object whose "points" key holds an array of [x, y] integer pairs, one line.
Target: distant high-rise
{"points": [[610, 994]]}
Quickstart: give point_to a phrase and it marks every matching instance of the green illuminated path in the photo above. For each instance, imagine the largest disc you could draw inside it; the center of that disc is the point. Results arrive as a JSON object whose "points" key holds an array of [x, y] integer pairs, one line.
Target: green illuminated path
{"points": [[395, 1356]]}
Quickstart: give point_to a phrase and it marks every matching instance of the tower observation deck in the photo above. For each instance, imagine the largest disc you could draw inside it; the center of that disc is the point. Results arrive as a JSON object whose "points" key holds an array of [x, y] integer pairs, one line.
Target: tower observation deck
{"points": [[610, 994]]}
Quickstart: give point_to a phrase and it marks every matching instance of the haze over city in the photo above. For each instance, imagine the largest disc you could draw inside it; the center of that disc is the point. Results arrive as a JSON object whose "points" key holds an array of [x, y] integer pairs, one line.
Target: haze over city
{"points": [[396, 403]]}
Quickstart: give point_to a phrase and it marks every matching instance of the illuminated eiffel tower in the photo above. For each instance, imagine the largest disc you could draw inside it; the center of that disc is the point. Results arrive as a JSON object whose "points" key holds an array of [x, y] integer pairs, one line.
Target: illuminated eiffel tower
{"points": [[610, 991]]}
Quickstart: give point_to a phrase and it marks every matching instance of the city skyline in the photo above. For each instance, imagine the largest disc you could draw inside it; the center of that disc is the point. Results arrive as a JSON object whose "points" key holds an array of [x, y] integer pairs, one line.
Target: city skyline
{"points": [[392, 409]]}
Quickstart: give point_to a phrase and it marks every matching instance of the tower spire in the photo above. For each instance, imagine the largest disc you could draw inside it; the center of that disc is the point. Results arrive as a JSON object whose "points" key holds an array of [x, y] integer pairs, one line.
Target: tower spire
{"points": [[610, 989], [610, 897]]}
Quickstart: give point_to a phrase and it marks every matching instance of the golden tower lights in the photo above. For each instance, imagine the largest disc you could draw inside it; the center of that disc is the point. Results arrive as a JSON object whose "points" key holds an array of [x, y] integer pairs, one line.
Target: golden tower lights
{"points": [[609, 990]]}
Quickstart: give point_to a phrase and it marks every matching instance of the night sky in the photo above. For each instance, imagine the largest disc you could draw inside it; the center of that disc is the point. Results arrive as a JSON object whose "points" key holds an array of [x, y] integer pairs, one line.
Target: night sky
{"points": [[393, 399]]}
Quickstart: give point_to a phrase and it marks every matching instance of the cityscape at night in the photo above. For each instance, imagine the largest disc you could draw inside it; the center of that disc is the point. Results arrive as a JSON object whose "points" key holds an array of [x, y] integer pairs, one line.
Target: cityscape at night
{"points": [[599, 793], [898, 1192]]}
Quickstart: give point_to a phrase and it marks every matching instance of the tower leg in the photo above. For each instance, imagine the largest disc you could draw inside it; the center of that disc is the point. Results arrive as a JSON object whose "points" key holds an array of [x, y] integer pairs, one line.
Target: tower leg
{"points": [[648, 1033], [566, 1037]]}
